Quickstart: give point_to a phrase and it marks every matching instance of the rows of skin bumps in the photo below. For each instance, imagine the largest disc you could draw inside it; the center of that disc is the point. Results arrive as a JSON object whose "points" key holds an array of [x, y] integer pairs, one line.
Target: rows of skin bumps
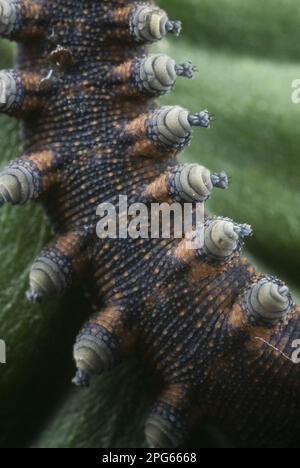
{"points": [[90, 134]]}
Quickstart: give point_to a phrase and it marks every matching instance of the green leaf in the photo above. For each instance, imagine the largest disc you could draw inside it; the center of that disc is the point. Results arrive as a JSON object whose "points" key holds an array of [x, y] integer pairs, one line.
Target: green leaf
{"points": [[245, 53], [269, 28]]}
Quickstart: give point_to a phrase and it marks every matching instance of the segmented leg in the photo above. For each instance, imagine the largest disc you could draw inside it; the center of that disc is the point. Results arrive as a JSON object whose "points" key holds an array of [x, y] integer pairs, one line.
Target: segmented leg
{"points": [[185, 183], [24, 92], [162, 133], [22, 19], [28, 178], [152, 75], [58, 265], [167, 423], [100, 343]]}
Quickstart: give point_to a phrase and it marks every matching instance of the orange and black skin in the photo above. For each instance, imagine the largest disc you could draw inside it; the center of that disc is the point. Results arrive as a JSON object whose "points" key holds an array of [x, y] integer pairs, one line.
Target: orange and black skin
{"points": [[87, 144]]}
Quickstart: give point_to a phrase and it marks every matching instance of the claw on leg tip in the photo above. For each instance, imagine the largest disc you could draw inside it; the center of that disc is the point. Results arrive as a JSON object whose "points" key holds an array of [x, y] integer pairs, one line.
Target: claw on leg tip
{"points": [[174, 27], [81, 379], [33, 296]]}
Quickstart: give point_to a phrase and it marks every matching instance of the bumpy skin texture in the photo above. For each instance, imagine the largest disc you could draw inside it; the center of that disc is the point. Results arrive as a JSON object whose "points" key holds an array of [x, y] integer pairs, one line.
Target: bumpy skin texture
{"points": [[92, 132]]}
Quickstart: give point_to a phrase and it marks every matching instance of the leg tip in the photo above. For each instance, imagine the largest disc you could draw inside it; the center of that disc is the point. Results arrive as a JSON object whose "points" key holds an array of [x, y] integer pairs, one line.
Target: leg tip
{"points": [[174, 27], [185, 69], [220, 180], [34, 297], [202, 119], [81, 379], [244, 230], [160, 434], [46, 279]]}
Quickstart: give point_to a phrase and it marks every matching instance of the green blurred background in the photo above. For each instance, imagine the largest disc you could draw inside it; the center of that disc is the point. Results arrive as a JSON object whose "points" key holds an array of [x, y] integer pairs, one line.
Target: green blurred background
{"points": [[247, 54]]}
